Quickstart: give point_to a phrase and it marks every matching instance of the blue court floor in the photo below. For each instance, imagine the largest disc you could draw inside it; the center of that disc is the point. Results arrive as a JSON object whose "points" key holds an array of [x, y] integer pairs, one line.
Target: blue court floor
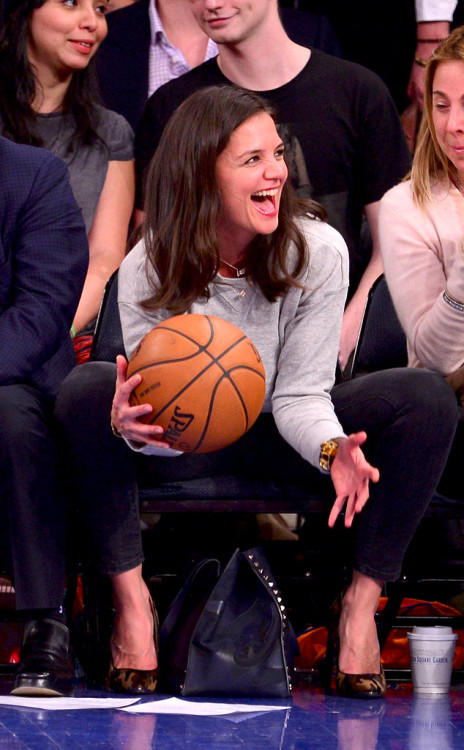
{"points": [[310, 721]]}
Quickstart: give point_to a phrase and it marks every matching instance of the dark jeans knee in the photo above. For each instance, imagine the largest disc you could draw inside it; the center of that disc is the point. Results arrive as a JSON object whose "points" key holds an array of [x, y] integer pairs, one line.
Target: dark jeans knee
{"points": [[432, 413], [24, 418], [430, 391], [85, 396], [419, 398]]}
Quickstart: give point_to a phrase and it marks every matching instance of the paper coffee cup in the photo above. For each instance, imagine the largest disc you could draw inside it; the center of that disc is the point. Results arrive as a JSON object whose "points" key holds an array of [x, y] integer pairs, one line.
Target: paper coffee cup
{"points": [[431, 650]]}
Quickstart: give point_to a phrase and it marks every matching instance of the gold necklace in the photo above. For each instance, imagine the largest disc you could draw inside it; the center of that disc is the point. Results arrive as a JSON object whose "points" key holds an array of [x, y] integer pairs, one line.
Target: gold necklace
{"points": [[238, 271]]}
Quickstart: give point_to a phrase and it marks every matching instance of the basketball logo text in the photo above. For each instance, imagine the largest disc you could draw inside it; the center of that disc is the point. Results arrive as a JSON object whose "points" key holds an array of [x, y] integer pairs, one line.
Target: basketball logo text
{"points": [[178, 423], [150, 388]]}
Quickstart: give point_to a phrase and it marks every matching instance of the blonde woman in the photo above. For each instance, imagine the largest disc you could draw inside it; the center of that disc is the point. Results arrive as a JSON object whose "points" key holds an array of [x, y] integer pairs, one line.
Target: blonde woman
{"points": [[422, 231]]}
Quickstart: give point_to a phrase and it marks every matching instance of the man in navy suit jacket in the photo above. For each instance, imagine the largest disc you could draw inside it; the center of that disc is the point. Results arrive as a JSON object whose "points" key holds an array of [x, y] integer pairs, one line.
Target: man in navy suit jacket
{"points": [[43, 262], [122, 59]]}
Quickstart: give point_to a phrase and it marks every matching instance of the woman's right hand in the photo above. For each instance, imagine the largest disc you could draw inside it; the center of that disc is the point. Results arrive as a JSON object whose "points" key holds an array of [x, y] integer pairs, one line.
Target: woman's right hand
{"points": [[125, 418], [351, 474]]}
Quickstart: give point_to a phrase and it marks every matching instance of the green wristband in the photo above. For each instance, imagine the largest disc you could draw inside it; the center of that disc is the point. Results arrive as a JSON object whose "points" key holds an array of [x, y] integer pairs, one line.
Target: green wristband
{"points": [[73, 332]]}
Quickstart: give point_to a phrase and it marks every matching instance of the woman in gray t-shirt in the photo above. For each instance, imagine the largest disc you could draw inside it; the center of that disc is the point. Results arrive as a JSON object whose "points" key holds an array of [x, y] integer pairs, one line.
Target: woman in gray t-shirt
{"points": [[48, 98], [225, 237]]}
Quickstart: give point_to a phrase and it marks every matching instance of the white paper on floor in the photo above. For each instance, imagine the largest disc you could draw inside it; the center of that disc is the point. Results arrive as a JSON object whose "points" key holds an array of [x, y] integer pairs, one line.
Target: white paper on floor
{"points": [[64, 704], [197, 708]]}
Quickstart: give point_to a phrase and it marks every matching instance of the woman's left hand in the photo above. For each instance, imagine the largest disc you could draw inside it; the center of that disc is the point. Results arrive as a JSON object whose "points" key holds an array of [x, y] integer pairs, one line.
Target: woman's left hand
{"points": [[351, 474], [126, 418]]}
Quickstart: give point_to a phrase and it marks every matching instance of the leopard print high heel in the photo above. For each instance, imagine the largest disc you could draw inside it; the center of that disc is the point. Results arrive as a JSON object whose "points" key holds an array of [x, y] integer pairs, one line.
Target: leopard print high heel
{"points": [[136, 681], [368, 685]]}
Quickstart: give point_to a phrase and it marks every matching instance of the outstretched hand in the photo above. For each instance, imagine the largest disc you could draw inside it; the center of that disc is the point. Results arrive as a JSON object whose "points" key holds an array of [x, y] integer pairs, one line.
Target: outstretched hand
{"points": [[351, 474], [125, 417]]}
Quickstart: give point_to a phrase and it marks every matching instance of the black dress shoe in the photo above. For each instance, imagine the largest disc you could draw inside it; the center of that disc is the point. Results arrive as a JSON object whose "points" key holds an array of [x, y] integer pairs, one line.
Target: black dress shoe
{"points": [[47, 664]]}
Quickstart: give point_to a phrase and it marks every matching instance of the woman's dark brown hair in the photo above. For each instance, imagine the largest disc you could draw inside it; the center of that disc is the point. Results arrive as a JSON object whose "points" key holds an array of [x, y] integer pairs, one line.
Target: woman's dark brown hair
{"points": [[183, 205], [18, 85]]}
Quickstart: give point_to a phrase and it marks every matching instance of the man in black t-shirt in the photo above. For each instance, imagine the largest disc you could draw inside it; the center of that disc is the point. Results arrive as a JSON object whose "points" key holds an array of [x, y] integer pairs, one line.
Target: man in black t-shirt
{"points": [[344, 142], [138, 47]]}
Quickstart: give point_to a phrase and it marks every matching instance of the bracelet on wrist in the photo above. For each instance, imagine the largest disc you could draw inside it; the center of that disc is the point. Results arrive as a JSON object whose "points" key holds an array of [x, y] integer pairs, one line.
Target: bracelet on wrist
{"points": [[453, 302], [72, 331], [329, 450]]}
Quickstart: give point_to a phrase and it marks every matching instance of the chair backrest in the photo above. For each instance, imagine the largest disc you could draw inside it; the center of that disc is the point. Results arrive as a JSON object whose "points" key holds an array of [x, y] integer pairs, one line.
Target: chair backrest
{"points": [[381, 342], [108, 341]]}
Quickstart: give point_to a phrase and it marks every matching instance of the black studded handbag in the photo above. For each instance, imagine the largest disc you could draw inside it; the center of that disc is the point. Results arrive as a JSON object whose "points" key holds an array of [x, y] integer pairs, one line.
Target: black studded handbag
{"points": [[227, 633]]}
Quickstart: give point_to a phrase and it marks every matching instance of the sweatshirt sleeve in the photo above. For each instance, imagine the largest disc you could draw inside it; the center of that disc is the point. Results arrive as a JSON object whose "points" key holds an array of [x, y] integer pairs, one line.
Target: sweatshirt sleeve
{"points": [[301, 402]]}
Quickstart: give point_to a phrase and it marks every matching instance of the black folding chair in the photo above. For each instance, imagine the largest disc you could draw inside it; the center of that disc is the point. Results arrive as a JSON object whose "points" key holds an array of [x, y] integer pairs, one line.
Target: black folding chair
{"points": [[381, 342]]}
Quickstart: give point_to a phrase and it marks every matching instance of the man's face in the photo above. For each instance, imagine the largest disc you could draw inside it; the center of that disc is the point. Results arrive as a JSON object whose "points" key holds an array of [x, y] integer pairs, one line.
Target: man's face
{"points": [[231, 21]]}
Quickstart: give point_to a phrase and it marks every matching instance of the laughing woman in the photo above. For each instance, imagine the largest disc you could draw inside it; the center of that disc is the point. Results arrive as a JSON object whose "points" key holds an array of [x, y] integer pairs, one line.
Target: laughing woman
{"points": [[48, 98], [225, 236]]}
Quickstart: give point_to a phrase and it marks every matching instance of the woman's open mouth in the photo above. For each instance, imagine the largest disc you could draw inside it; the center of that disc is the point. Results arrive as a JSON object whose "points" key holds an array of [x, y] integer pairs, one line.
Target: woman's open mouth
{"points": [[265, 201]]}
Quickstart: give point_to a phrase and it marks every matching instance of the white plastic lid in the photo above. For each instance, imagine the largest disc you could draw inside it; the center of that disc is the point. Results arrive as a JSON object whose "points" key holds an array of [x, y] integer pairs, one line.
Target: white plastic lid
{"points": [[433, 633], [432, 630]]}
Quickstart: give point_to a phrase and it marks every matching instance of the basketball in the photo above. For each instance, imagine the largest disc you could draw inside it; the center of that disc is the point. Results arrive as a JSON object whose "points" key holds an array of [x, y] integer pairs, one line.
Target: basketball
{"points": [[203, 377]]}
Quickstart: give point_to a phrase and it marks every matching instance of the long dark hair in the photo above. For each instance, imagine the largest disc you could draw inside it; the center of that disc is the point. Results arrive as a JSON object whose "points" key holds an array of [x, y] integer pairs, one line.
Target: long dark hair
{"points": [[18, 85], [183, 205]]}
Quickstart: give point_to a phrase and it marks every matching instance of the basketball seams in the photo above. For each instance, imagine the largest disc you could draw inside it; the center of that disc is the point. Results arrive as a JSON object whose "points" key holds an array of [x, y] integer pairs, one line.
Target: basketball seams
{"points": [[236, 388], [216, 407], [201, 350], [225, 374], [222, 378], [214, 361], [163, 362], [201, 347], [247, 367]]}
